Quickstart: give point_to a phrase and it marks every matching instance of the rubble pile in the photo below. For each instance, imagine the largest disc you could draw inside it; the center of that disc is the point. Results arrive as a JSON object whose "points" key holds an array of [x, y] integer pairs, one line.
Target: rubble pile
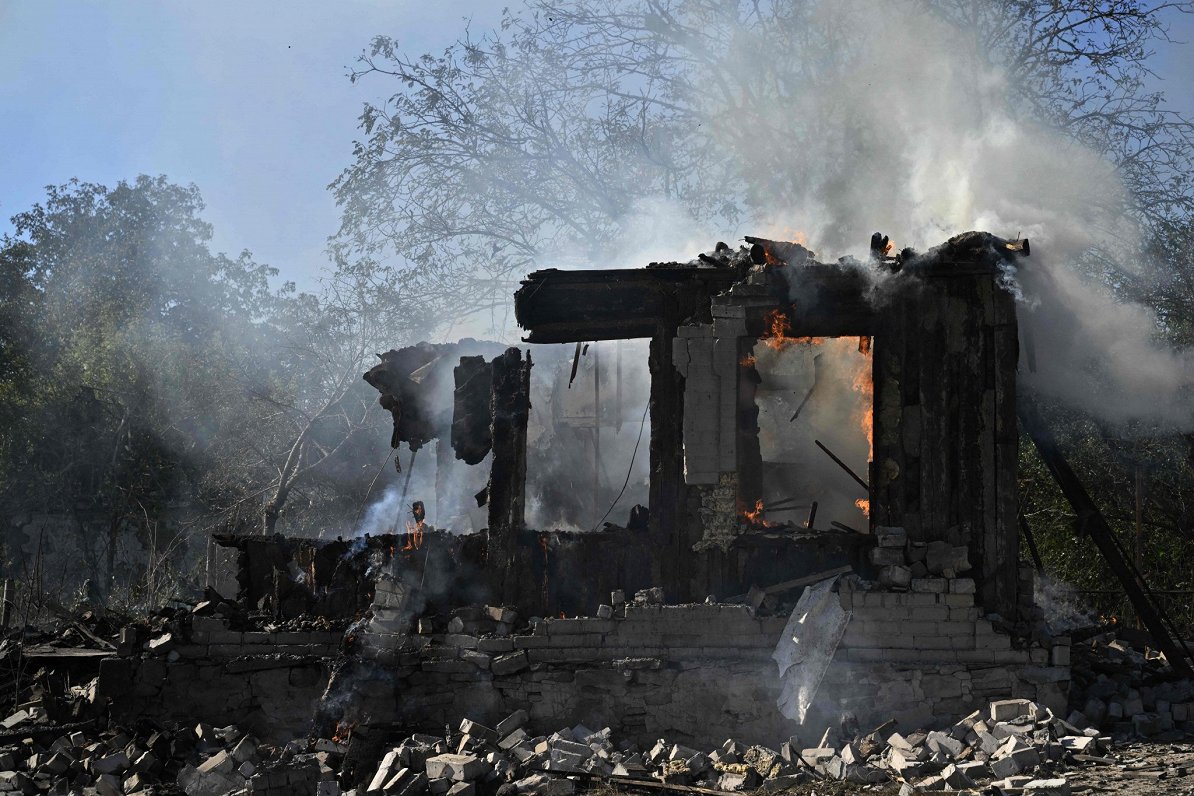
{"points": [[1131, 692], [40, 757], [1016, 744]]}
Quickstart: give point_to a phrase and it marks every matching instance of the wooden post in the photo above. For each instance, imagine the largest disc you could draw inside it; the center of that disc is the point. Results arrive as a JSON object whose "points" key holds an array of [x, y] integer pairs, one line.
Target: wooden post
{"points": [[1139, 546], [510, 403], [672, 553], [6, 601], [596, 434]]}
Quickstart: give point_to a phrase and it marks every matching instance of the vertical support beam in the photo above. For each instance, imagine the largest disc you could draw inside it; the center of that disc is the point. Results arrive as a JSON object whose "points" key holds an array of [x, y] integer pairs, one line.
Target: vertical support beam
{"points": [[1002, 593], [6, 598], [667, 468], [746, 412], [597, 512], [510, 404]]}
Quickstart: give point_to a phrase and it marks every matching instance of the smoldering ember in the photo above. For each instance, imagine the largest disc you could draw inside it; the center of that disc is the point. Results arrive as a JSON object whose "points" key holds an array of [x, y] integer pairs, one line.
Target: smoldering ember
{"points": [[856, 618]]}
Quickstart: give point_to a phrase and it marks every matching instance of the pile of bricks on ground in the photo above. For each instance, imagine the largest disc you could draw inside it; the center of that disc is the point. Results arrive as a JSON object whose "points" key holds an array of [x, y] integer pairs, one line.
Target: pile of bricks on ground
{"points": [[1017, 745], [1130, 691], [38, 758]]}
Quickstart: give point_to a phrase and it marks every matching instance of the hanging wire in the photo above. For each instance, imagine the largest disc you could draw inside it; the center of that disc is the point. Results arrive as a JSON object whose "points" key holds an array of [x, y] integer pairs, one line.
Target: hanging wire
{"points": [[642, 424]]}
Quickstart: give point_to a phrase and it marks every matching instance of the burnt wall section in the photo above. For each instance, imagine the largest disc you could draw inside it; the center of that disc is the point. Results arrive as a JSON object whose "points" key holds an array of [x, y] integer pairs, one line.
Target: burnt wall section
{"points": [[339, 579], [417, 385], [945, 435], [335, 578], [946, 439], [698, 673]]}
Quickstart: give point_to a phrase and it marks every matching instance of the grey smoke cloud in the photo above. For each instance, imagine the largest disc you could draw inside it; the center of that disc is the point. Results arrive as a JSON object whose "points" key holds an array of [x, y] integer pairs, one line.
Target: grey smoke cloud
{"points": [[915, 134]]}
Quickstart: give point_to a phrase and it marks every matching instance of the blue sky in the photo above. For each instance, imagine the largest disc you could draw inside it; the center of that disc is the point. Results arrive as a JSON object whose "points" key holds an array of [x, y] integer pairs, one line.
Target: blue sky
{"points": [[248, 100]]}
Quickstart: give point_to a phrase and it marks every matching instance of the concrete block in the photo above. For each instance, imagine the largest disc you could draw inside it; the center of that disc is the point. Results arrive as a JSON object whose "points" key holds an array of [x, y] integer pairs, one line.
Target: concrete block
{"points": [[896, 576], [479, 659], [510, 663], [890, 536], [1055, 786], [495, 645], [1060, 655], [472, 728], [459, 768], [886, 556]]}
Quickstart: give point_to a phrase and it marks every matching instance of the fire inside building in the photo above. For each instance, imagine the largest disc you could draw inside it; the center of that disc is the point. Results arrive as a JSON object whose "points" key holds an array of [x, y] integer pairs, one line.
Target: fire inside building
{"points": [[829, 548]]}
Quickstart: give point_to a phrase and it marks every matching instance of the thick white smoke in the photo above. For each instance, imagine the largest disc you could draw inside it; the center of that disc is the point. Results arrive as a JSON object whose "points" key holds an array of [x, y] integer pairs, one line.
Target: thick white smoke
{"points": [[889, 118]]}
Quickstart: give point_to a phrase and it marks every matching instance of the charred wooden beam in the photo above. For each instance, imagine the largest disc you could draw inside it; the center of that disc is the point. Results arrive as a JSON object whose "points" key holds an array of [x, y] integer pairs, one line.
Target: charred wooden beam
{"points": [[1092, 523], [842, 465], [569, 306], [667, 523], [510, 409], [471, 417], [778, 252]]}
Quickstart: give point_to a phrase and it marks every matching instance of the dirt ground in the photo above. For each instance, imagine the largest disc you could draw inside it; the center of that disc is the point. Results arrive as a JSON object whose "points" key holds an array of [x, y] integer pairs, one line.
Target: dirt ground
{"points": [[1147, 769]]}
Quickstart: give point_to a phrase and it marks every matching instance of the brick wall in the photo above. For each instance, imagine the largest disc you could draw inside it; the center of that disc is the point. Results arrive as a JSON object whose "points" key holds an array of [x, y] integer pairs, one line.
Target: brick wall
{"points": [[693, 673]]}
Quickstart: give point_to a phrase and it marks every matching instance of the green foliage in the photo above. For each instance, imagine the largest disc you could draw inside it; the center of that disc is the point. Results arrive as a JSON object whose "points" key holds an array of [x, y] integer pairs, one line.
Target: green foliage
{"points": [[1115, 468], [159, 390]]}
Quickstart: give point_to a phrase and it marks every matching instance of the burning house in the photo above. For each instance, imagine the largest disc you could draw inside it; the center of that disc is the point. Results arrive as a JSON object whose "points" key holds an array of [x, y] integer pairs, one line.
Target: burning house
{"points": [[849, 427], [829, 544]]}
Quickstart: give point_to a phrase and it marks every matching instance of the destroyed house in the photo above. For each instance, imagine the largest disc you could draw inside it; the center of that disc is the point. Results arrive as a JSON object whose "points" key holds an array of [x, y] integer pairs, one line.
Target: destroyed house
{"points": [[828, 550], [844, 426]]}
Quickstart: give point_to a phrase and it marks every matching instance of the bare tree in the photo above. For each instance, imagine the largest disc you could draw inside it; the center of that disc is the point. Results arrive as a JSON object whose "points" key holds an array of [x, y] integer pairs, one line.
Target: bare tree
{"points": [[537, 140]]}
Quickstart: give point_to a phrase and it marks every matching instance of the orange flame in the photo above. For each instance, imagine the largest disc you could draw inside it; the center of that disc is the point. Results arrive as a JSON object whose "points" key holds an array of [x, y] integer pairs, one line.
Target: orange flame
{"points": [[747, 361], [864, 384], [414, 535], [755, 517], [343, 731], [778, 334], [776, 232], [864, 506]]}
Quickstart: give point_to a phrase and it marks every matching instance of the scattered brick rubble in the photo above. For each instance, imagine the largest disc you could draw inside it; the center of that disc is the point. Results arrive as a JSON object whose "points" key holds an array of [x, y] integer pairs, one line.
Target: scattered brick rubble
{"points": [[1017, 743], [61, 740]]}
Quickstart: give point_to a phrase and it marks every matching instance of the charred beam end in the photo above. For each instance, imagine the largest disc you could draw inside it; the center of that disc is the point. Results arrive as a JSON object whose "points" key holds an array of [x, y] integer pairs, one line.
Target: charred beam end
{"points": [[472, 419], [778, 252]]}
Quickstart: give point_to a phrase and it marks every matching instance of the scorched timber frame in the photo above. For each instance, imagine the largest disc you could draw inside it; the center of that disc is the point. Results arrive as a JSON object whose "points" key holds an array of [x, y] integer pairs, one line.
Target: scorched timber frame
{"points": [[945, 356]]}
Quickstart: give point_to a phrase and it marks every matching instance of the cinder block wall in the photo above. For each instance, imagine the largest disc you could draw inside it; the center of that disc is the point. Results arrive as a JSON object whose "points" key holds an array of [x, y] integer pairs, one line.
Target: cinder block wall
{"points": [[692, 673]]}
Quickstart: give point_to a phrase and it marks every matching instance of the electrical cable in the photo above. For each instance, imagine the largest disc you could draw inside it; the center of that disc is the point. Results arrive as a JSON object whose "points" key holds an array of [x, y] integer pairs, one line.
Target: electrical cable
{"points": [[642, 424]]}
